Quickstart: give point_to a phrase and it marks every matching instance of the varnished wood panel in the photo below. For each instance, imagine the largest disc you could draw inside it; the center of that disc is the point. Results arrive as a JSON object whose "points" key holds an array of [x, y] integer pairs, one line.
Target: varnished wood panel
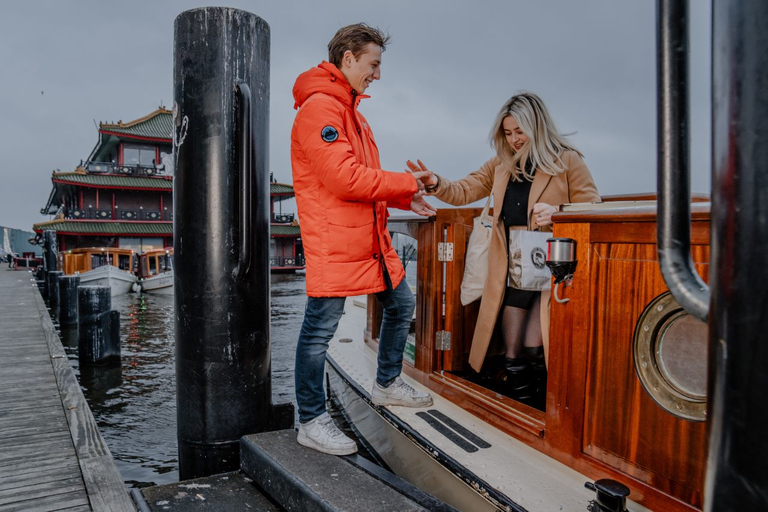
{"points": [[623, 426], [568, 345], [426, 297], [455, 360], [584, 398]]}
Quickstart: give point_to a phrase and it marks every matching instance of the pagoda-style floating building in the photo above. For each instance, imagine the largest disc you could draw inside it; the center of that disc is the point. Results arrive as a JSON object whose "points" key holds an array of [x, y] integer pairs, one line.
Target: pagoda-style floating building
{"points": [[121, 196]]}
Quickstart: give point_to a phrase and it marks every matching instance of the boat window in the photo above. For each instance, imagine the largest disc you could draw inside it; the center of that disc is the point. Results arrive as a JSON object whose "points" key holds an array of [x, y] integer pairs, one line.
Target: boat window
{"points": [[407, 249], [152, 265], [99, 260], [670, 353], [124, 261]]}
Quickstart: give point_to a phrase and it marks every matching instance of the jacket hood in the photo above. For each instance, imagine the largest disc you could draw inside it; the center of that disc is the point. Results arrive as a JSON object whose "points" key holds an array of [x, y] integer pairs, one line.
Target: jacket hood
{"points": [[327, 79]]}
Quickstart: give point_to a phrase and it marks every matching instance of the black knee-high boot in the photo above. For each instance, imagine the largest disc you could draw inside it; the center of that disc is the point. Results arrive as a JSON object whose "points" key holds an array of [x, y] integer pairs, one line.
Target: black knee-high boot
{"points": [[518, 380], [538, 366]]}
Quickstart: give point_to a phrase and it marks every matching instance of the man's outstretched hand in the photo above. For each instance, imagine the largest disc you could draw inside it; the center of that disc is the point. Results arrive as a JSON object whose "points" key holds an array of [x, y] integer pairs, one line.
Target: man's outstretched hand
{"points": [[421, 207], [420, 176]]}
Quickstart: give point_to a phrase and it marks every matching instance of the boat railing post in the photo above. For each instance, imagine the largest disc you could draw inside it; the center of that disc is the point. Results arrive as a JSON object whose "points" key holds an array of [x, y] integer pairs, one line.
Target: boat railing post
{"points": [[221, 237], [673, 178], [98, 326]]}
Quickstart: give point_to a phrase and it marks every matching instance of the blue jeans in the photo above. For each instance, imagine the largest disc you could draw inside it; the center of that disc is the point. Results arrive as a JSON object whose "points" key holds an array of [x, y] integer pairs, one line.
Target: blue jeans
{"points": [[321, 318]]}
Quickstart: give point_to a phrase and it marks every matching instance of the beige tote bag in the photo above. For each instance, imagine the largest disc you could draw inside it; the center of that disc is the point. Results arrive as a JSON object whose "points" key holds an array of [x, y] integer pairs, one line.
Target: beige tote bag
{"points": [[476, 260]]}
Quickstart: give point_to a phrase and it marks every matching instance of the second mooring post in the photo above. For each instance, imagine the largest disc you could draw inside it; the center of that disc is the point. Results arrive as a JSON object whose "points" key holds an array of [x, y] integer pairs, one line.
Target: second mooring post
{"points": [[53, 290], [49, 257], [98, 326], [221, 237], [68, 299]]}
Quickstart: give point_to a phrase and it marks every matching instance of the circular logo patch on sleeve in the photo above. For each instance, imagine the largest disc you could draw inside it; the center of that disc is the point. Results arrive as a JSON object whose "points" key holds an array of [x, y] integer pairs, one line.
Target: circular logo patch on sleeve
{"points": [[329, 134]]}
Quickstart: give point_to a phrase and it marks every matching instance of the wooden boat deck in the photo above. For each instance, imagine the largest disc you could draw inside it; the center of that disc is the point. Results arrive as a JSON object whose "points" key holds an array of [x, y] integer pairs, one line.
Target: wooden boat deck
{"points": [[52, 456]]}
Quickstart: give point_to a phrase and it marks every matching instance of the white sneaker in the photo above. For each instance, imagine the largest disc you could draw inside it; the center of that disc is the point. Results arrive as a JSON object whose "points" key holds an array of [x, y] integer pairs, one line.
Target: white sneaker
{"points": [[323, 435], [399, 393]]}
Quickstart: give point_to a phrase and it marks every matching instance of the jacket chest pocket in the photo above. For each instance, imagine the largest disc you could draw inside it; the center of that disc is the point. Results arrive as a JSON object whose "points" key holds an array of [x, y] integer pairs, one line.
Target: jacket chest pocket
{"points": [[351, 232]]}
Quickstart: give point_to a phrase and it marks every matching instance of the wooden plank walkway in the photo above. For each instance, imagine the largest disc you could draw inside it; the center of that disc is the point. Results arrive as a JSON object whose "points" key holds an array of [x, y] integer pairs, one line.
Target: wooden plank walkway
{"points": [[52, 456]]}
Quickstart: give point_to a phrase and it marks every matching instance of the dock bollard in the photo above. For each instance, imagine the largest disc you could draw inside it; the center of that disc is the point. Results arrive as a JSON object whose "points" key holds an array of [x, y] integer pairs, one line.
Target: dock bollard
{"points": [[50, 255], [53, 290], [99, 328], [68, 299], [221, 212]]}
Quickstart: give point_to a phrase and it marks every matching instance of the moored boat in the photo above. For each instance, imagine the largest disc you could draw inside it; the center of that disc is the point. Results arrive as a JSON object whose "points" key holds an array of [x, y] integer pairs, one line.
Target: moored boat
{"points": [[26, 261], [625, 396], [156, 271], [104, 266]]}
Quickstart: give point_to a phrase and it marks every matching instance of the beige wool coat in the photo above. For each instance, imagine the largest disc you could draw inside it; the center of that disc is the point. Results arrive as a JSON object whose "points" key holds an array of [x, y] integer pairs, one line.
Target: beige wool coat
{"points": [[575, 185]]}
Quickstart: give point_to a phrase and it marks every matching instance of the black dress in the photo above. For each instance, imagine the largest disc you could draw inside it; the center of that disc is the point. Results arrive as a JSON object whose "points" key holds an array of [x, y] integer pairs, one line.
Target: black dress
{"points": [[514, 212]]}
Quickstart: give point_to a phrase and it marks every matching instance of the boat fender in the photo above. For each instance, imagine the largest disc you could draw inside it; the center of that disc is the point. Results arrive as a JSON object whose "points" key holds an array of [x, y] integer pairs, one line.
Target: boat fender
{"points": [[136, 287]]}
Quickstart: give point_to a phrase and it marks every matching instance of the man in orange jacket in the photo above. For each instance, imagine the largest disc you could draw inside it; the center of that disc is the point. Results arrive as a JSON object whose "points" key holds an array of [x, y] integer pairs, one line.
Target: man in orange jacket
{"points": [[342, 196]]}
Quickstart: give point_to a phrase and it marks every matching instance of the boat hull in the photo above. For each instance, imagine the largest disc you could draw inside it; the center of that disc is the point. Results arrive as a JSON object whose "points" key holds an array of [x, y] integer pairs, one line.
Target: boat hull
{"points": [[392, 442], [443, 449], [119, 281], [161, 284]]}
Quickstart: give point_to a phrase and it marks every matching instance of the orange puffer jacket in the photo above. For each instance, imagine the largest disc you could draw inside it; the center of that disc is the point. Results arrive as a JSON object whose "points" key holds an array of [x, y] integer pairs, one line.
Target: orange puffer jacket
{"points": [[342, 193]]}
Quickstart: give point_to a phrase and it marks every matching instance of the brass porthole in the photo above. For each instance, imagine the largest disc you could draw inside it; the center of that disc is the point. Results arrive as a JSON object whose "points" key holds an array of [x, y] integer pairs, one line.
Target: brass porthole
{"points": [[670, 353]]}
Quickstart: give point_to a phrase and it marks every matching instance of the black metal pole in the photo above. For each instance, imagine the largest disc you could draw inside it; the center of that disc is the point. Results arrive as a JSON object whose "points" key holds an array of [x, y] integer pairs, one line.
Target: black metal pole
{"points": [[49, 258], [673, 179], [737, 473], [68, 299], [50, 252], [221, 236], [98, 326], [53, 290]]}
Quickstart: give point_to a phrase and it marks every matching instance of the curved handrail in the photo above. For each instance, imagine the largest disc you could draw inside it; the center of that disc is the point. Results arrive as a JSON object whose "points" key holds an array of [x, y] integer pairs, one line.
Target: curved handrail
{"points": [[673, 180], [244, 152]]}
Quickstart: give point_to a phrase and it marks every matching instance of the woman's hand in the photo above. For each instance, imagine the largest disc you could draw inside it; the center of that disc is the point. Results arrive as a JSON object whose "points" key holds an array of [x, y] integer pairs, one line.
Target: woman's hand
{"points": [[429, 178], [542, 214]]}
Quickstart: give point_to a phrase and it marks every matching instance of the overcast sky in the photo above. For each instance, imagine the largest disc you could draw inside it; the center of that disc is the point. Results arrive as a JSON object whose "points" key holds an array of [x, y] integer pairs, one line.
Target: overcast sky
{"points": [[450, 66]]}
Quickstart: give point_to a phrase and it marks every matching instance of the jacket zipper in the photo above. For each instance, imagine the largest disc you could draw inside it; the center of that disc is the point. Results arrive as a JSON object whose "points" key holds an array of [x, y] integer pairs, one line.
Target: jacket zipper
{"points": [[377, 240]]}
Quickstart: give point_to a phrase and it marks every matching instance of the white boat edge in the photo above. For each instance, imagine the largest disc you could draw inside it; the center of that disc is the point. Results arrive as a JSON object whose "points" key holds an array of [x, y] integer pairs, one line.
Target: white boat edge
{"points": [[160, 284], [119, 281], [509, 476]]}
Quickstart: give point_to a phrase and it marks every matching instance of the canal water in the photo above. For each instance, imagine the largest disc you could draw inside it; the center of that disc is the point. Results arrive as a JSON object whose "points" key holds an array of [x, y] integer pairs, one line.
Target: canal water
{"points": [[134, 403]]}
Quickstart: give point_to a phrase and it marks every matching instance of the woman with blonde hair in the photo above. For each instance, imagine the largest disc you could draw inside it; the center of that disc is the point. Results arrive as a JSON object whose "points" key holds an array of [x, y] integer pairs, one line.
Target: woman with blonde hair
{"points": [[534, 171]]}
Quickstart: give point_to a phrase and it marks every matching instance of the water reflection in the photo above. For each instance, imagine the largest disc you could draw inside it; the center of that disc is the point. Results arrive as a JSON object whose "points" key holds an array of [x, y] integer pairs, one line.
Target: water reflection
{"points": [[134, 402]]}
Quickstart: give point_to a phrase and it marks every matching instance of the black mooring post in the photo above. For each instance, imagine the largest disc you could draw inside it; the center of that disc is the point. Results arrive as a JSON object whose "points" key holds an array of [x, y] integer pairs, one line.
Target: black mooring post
{"points": [[49, 257], [98, 327], [737, 473], [53, 290], [68, 299], [221, 237]]}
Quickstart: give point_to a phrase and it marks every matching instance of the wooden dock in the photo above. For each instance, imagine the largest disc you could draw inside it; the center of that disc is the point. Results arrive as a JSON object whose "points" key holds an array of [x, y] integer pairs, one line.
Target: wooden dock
{"points": [[52, 456]]}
